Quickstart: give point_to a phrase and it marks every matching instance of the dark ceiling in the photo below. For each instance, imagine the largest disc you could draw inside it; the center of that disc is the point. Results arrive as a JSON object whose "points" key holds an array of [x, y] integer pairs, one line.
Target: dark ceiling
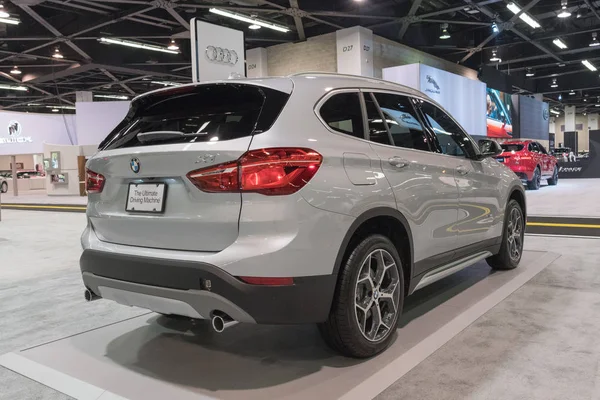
{"points": [[74, 26]]}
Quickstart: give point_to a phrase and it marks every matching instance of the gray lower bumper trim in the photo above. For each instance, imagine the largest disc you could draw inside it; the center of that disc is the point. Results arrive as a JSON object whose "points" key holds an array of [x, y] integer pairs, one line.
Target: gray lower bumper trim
{"points": [[190, 303]]}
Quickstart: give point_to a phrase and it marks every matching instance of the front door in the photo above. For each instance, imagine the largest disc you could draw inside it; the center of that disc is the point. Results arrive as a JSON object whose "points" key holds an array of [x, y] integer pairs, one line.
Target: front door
{"points": [[423, 182]]}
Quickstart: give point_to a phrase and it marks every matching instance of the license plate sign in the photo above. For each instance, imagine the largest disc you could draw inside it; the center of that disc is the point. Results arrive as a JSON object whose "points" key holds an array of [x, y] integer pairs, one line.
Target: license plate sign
{"points": [[500, 159], [146, 197]]}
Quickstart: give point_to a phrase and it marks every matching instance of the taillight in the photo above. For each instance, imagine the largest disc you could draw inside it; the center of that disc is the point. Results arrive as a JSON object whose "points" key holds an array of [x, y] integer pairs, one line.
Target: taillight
{"points": [[95, 182], [274, 171]]}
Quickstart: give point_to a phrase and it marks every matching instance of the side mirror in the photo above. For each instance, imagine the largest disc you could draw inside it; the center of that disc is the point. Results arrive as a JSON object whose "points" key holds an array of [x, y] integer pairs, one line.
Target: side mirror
{"points": [[489, 148]]}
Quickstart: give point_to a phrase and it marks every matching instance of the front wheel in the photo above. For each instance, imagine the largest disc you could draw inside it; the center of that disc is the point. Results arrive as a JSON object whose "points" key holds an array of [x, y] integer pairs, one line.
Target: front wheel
{"points": [[536, 181], [368, 300], [554, 180], [4, 187], [511, 249]]}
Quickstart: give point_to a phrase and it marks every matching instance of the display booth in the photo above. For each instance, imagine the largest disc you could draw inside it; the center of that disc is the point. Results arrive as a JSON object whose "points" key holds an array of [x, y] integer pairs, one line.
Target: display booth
{"points": [[571, 165]]}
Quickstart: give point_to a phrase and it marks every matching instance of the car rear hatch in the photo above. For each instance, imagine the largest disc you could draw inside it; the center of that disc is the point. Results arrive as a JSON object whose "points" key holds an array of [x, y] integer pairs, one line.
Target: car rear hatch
{"points": [[139, 192], [511, 152]]}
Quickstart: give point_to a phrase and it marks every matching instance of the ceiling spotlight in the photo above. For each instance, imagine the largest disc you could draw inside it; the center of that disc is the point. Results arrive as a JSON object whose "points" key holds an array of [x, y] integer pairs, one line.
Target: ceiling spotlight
{"points": [[554, 84], [15, 71], [495, 28], [495, 57], [589, 65], [564, 13], [559, 43], [595, 41], [57, 54], [137, 45], [173, 46], [584, 99], [254, 27], [572, 93], [525, 17], [445, 34], [529, 72], [559, 97], [249, 19]]}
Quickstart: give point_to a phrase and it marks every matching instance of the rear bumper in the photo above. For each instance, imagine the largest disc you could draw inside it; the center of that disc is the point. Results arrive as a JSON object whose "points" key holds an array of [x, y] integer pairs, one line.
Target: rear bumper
{"points": [[197, 289]]}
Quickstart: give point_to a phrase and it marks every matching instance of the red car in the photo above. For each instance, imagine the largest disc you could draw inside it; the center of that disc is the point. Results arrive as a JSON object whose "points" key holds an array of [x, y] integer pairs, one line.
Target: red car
{"points": [[530, 161]]}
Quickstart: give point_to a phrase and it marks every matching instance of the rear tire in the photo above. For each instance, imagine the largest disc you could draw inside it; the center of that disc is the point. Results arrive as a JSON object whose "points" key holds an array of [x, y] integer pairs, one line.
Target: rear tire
{"points": [[368, 300], [536, 181], [554, 180], [4, 187], [511, 249]]}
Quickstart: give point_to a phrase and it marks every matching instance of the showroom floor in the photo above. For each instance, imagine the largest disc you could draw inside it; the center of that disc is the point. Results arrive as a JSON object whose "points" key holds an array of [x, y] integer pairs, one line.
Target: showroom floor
{"points": [[461, 338]]}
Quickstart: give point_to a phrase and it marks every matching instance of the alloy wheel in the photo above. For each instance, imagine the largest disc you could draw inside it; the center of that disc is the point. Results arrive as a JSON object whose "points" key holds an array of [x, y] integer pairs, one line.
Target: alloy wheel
{"points": [[515, 234], [538, 179], [376, 295]]}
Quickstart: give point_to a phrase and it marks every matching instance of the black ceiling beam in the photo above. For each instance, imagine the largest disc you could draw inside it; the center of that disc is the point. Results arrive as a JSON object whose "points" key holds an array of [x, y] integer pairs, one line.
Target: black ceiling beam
{"points": [[411, 13]]}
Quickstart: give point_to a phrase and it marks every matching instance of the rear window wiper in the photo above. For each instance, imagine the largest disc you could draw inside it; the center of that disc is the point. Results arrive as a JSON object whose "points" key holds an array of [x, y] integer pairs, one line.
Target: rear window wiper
{"points": [[146, 137]]}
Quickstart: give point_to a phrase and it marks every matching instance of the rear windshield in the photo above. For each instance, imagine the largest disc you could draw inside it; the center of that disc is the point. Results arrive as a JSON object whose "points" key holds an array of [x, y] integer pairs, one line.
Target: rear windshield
{"points": [[194, 114], [512, 147]]}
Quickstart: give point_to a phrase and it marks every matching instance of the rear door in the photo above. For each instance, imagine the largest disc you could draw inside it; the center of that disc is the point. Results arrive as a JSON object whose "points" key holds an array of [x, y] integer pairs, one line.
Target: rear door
{"points": [[147, 199], [422, 181]]}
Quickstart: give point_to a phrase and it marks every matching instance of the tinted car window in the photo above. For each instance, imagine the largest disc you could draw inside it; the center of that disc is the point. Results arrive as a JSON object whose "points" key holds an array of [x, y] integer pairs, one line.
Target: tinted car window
{"points": [[542, 148], [512, 147], [200, 114], [403, 122], [533, 147], [377, 128], [451, 138], [342, 112]]}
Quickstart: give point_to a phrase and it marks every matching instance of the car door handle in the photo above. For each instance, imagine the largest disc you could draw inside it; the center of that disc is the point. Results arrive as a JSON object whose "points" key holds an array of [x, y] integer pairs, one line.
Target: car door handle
{"points": [[398, 162], [462, 170]]}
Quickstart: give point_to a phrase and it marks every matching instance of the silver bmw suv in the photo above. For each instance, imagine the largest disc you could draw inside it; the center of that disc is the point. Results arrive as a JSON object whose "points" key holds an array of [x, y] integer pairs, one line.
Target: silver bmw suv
{"points": [[314, 198]]}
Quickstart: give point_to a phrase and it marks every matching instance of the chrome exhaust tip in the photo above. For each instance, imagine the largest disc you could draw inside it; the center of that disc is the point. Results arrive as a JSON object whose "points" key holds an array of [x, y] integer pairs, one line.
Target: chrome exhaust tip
{"points": [[221, 322], [90, 296]]}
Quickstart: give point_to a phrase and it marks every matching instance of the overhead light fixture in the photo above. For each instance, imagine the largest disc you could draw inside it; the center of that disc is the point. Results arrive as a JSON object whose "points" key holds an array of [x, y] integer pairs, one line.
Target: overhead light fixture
{"points": [[137, 45], [10, 87], [572, 93], [559, 43], [12, 21], [561, 65], [173, 45], [495, 28], [60, 108], [55, 110], [559, 97], [554, 84], [57, 54], [555, 112], [495, 57], [589, 65], [530, 72], [15, 71], [595, 41], [585, 100], [250, 20], [564, 13], [254, 27], [528, 19], [163, 83], [445, 35], [4, 14], [112, 96]]}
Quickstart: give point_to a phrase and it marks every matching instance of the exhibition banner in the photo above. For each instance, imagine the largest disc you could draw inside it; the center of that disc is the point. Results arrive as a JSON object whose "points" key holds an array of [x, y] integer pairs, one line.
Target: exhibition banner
{"points": [[462, 97], [217, 52], [573, 165], [499, 114]]}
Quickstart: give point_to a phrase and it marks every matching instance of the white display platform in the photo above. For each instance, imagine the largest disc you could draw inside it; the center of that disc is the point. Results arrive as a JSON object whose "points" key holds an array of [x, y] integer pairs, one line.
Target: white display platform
{"points": [[153, 357]]}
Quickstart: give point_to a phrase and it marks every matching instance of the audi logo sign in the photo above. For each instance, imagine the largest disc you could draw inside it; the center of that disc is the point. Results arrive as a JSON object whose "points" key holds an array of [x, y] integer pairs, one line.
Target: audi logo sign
{"points": [[221, 55]]}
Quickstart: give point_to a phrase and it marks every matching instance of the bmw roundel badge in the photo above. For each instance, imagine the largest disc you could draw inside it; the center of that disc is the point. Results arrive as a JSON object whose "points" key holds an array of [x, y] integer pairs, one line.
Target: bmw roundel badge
{"points": [[134, 164]]}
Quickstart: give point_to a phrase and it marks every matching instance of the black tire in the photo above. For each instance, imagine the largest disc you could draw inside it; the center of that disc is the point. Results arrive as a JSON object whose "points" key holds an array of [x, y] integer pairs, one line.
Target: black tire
{"points": [[341, 331], [4, 187], [554, 180], [534, 184], [505, 259]]}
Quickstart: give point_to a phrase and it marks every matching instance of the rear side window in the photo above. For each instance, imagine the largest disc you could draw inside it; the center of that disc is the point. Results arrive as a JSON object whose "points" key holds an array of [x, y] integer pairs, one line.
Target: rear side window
{"points": [[342, 113], [512, 147], [195, 114]]}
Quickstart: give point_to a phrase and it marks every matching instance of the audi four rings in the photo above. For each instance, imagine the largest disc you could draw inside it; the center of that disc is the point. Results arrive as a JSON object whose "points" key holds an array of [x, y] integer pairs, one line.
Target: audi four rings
{"points": [[221, 55]]}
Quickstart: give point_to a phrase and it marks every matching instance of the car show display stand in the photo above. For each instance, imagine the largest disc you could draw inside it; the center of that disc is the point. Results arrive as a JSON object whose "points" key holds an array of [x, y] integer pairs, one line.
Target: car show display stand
{"points": [[155, 357]]}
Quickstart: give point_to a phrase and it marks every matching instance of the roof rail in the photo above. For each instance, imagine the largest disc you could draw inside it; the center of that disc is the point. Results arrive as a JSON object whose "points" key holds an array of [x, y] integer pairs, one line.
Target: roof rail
{"points": [[365, 78]]}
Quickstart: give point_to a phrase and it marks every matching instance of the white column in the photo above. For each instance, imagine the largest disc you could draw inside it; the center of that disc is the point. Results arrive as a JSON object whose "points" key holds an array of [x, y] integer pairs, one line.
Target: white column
{"points": [[256, 63], [569, 118], [552, 127], [84, 96], [593, 122], [354, 48]]}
